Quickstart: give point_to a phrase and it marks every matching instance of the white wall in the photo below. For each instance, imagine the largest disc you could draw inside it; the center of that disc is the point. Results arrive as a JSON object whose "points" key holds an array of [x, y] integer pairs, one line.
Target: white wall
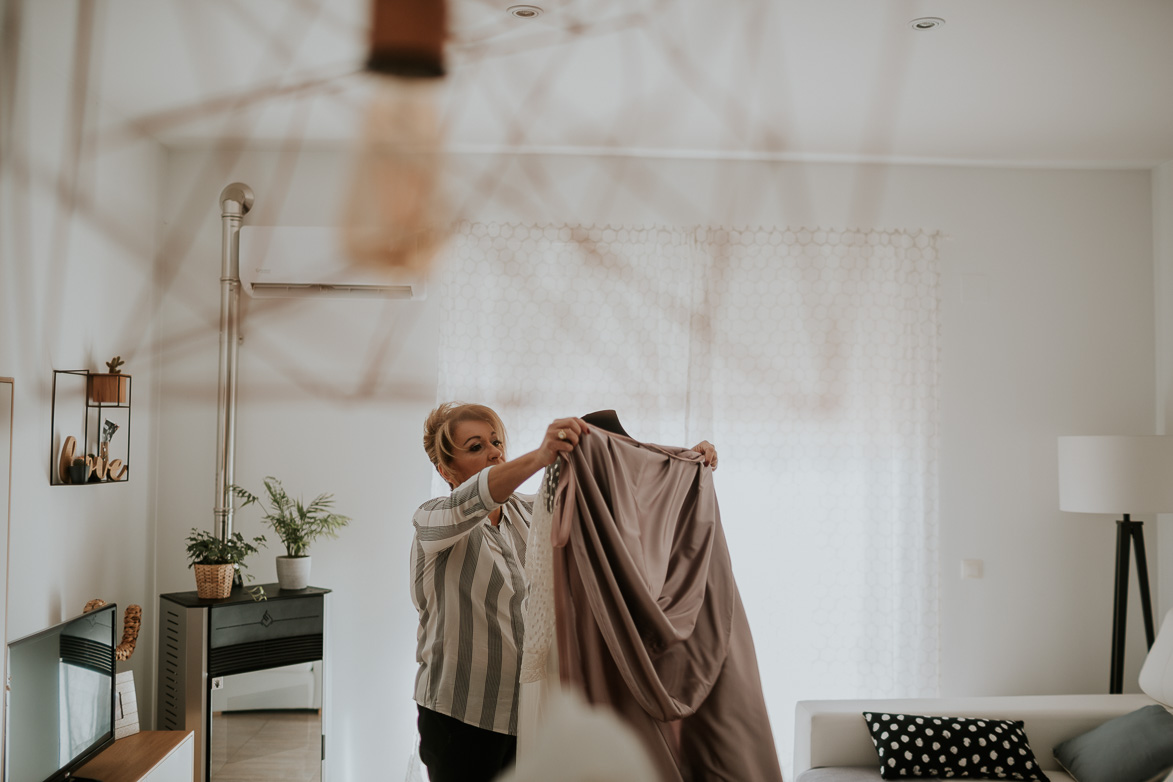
{"points": [[1162, 183], [1048, 330], [332, 396], [76, 288]]}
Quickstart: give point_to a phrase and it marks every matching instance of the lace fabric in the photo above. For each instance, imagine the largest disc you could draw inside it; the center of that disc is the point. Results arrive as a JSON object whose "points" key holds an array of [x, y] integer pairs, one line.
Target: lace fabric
{"points": [[538, 609]]}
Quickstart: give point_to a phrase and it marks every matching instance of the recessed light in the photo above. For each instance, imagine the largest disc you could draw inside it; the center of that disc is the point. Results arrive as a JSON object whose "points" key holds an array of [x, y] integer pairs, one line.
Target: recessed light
{"points": [[926, 23], [525, 11]]}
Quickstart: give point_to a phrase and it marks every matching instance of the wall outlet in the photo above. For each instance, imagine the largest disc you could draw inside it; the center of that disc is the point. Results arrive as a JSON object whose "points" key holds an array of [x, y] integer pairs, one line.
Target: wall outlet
{"points": [[971, 568]]}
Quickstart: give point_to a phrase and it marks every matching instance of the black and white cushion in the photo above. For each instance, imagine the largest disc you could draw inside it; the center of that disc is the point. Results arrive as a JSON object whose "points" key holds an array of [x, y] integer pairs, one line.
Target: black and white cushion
{"points": [[911, 745]]}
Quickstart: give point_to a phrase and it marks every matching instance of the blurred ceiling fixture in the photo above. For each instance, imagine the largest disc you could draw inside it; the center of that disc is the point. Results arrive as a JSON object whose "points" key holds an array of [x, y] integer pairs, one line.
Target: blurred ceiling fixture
{"points": [[396, 214], [407, 37], [926, 23], [525, 11]]}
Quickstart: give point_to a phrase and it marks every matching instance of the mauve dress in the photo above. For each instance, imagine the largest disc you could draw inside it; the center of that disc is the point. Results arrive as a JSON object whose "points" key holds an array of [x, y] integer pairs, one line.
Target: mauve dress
{"points": [[648, 616]]}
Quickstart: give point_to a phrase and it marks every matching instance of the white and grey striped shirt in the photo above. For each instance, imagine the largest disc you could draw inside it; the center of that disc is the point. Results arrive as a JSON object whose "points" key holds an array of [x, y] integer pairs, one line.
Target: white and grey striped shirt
{"points": [[468, 583]]}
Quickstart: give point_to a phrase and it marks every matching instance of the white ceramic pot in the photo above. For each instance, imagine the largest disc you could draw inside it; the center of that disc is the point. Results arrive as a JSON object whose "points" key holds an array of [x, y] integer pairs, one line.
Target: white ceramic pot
{"points": [[293, 572]]}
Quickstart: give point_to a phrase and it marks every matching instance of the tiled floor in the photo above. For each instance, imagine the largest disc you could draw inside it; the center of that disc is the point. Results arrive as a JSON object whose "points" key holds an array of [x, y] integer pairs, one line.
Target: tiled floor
{"points": [[254, 746]]}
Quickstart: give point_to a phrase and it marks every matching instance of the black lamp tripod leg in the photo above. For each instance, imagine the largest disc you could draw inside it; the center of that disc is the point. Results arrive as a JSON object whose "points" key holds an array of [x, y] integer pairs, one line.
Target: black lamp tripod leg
{"points": [[1129, 536], [1142, 573], [1120, 610]]}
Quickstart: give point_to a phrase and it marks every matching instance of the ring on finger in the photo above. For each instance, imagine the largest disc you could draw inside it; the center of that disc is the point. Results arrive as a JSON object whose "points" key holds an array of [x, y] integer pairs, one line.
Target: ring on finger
{"points": [[561, 434]]}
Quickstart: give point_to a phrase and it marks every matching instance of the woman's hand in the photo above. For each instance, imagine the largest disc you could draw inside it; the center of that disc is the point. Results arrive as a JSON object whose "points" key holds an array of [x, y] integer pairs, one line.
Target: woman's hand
{"points": [[561, 437], [708, 452]]}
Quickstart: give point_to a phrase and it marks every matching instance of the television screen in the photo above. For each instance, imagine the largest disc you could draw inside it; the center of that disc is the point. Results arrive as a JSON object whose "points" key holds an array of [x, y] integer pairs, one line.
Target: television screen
{"points": [[60, 699]]}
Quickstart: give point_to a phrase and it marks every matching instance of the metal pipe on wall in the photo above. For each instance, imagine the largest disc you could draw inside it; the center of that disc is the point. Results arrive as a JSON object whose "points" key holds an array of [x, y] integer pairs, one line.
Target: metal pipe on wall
{"points": [[235, 202]]}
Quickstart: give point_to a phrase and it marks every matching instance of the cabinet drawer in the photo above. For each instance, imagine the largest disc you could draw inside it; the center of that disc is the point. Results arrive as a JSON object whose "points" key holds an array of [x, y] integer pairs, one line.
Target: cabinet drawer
{"points": [[265, 620]]}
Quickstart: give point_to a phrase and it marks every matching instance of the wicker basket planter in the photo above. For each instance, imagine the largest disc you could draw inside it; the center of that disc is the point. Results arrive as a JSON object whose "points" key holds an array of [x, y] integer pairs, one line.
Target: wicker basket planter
{"points": [[213, 582]]}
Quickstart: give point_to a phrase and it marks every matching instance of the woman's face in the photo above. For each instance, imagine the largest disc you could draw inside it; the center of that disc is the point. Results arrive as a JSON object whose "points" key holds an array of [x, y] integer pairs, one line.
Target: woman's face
{"points": [[477, 446]]}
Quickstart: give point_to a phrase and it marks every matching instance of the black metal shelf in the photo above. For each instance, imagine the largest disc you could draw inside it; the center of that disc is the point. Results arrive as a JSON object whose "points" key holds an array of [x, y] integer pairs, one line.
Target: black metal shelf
{"points": [[103, 401]]}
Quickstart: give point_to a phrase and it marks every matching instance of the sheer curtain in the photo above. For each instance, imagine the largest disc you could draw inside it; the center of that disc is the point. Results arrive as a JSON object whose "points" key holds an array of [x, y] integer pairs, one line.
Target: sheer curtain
{"points": [[808, 356]]}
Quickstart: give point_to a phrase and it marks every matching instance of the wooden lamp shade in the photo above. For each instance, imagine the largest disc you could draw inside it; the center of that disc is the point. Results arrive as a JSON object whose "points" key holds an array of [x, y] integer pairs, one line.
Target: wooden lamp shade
{"points": [[407, 37]]}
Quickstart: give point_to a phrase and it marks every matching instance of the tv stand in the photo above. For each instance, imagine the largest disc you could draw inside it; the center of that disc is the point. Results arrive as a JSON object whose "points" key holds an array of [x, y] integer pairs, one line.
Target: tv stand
{"points": [[147, 756]]}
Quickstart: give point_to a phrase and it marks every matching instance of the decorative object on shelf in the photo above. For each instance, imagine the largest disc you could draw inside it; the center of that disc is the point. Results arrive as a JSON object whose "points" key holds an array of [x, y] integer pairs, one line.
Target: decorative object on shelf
{"points": [[93, 456], [1120, 475], [297, 525], [125, 698], [97, 467], [108, 430], [112, 388], [66, 463], [215, 560], [116, 470], [83, 469], [79, 471]]}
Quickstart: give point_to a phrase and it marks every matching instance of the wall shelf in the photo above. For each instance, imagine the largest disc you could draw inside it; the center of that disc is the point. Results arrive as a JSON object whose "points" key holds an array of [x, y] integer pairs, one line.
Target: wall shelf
{"points": [[90, 420]]}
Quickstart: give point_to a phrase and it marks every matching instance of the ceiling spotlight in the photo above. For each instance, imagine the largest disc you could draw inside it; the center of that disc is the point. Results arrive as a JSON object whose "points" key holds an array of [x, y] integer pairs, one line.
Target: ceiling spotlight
{"points": [[926, 23], [525, 11]]}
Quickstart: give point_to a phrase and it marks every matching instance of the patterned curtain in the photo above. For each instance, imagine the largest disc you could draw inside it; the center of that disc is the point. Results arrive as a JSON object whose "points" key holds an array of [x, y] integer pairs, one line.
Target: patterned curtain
{"points": [[808, 356]]}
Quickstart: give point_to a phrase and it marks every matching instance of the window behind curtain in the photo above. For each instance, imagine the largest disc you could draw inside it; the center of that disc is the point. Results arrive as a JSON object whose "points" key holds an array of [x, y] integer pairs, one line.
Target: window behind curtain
{"points": [[808, 356]]}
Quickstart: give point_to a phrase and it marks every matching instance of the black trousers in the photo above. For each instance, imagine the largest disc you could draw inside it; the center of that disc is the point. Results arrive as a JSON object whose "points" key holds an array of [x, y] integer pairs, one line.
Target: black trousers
{"points": [[455, 751]]}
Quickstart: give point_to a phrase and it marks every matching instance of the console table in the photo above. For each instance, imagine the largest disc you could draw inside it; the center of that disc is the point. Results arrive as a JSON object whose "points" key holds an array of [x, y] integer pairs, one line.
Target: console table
{"points": [[149, 756], [222, 660]]}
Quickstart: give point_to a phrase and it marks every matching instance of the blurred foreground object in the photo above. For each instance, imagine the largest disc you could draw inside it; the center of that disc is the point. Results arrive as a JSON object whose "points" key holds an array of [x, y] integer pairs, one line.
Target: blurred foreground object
{"points": [[396, 213], [407, 37], [576, 742]]}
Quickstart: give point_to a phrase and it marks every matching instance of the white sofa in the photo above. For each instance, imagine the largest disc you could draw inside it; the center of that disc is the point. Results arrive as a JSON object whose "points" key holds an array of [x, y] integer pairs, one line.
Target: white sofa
{"points": [[832, 743]]}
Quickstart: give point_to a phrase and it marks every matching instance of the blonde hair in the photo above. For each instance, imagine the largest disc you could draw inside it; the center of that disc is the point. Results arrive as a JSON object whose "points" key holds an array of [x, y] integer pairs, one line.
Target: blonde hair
{"points": [[438, 441]]}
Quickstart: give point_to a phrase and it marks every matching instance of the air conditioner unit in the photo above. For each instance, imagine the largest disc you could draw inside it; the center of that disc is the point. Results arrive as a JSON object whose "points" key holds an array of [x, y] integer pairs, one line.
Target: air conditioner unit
{"points": [[309, 261]]}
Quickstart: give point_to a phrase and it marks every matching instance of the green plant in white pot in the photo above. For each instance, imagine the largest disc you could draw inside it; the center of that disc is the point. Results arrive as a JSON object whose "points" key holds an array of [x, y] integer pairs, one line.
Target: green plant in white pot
{"points": [[297, 524]]}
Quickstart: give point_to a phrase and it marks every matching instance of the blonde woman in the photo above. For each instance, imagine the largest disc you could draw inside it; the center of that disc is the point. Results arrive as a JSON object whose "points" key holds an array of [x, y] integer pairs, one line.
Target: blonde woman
{"points": [[467, 582]]}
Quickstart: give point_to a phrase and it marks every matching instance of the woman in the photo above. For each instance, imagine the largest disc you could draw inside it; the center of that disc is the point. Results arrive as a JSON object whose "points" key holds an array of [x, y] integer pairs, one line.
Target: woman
{"points": [[467, 582]]}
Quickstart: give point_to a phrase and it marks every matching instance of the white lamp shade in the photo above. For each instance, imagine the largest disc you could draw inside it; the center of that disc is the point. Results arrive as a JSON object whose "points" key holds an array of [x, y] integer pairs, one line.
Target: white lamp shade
{"points": [[1156, 675], [1116, 474]]}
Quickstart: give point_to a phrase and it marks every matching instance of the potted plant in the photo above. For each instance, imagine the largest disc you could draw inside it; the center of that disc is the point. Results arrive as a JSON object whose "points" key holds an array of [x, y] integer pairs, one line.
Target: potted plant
{"points": [[215, 560], [110, 388], [297, 524]]}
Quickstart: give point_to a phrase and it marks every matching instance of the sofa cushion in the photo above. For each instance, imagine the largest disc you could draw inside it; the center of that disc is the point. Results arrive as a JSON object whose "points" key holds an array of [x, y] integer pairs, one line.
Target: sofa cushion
{"points": [[1132, 748], [911, 745]]}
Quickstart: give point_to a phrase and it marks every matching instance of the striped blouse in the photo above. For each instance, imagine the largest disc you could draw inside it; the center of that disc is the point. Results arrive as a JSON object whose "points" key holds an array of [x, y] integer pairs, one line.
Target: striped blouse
{"points": [[468, 583]]}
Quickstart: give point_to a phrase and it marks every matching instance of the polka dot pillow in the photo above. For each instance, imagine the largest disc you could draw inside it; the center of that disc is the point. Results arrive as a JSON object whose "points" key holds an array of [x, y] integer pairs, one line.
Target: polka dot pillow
{"points": [[963, 747]]}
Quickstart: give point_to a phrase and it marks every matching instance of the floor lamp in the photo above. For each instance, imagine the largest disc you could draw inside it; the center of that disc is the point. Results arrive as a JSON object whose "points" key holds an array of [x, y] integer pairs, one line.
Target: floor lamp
{"points": [[1119, 475]]}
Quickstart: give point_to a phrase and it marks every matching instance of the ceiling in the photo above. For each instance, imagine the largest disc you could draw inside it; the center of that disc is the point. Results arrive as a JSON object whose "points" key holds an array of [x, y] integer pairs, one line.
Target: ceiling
{"points": [[1032, 82]]}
